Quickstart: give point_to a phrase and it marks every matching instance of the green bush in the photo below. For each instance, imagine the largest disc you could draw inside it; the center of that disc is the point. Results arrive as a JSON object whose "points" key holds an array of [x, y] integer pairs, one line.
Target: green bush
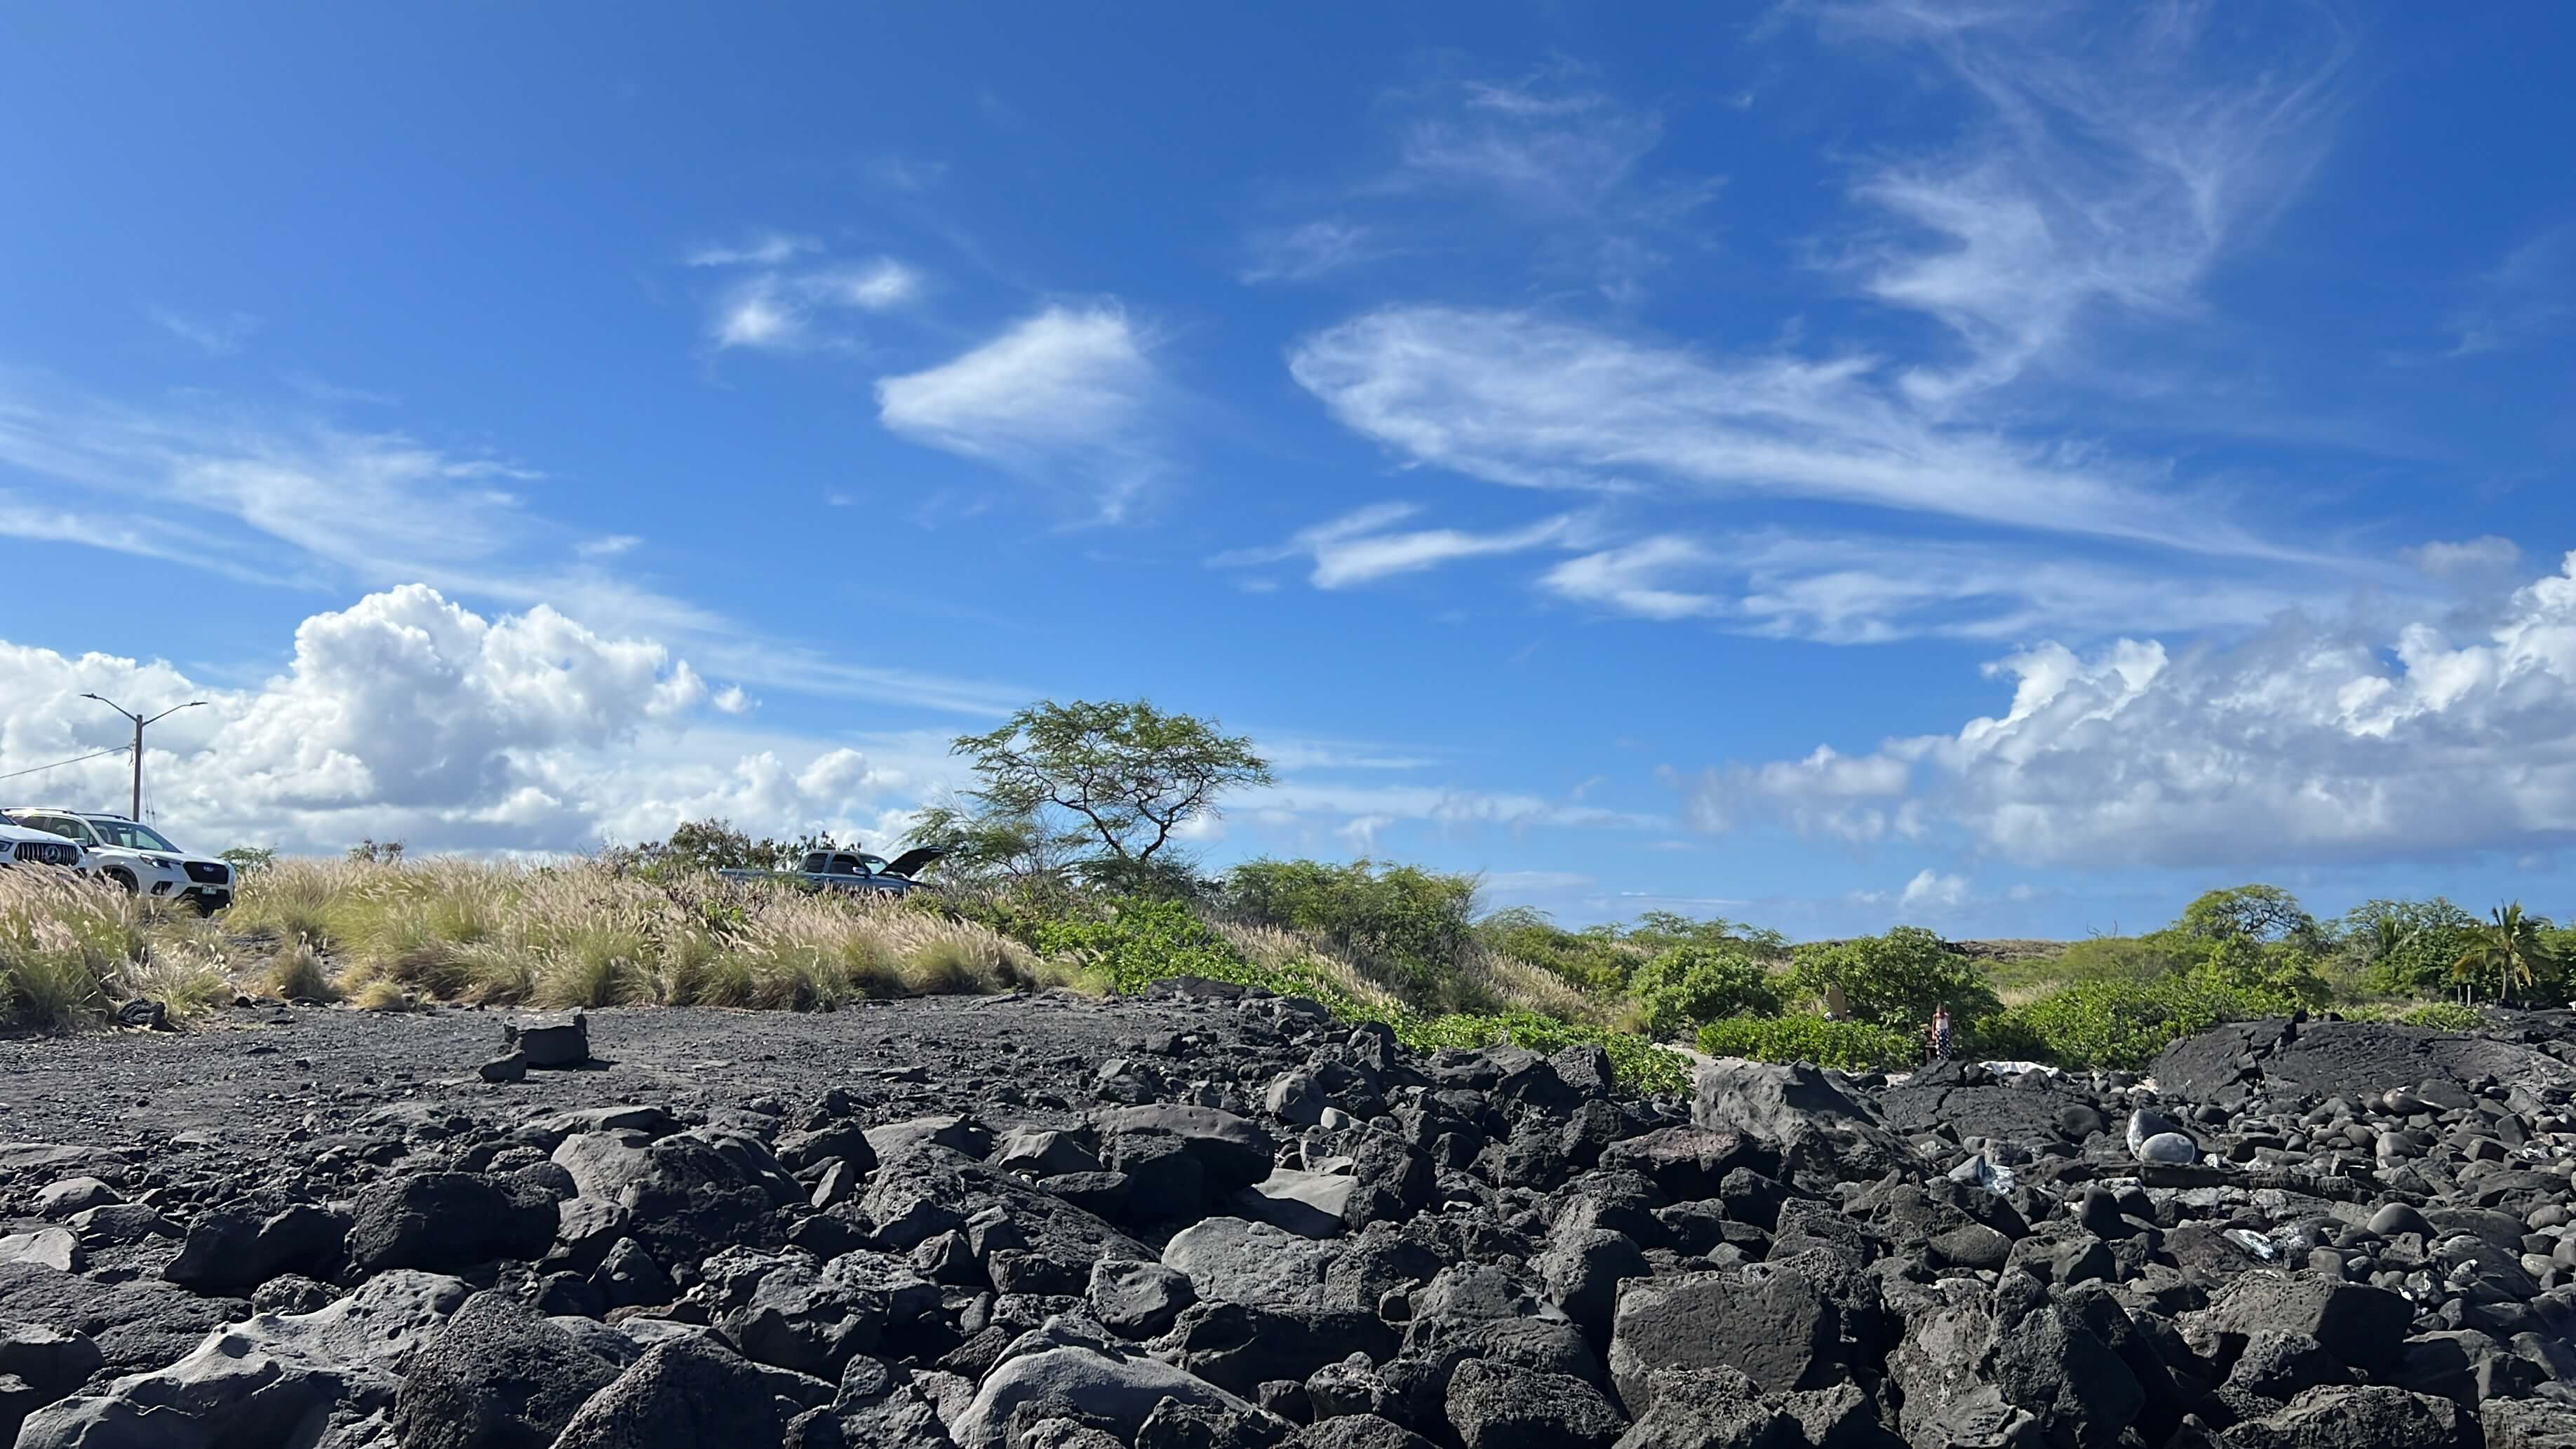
{"points": [[1895, 980], [1851, 1046], [1688, 985], [2122, 1024], [1641, 1066], [1412, 923], [1137, 942], [1594, 959], [2443, 1016]]}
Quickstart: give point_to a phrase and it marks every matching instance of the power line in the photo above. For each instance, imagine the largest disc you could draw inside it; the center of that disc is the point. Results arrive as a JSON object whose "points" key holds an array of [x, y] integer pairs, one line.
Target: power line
{"points": [[58, 764]]}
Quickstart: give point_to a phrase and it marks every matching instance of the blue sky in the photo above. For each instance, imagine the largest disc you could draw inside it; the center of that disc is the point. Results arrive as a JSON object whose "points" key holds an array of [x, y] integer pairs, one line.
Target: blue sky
{"points": [[2002, 466]]}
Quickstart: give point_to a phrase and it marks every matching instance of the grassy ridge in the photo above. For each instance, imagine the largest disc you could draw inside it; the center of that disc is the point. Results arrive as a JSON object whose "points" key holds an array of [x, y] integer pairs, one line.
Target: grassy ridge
{"points": [[1390, 944]]}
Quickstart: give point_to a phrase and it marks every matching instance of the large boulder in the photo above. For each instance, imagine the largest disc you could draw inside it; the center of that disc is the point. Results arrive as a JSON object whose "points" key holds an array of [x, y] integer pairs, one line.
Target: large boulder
{"points": [[789, 1311], [1233, 1152], [235, 1248], [137, 1325], [271, 1379], [1504, 1406], [684, 1393], [1120, 1391], [2347, 1416], [1025, 1240], [1823, 1135], [497, 1375], [1768, 1321], [443, 1221], [2364, 1326]]}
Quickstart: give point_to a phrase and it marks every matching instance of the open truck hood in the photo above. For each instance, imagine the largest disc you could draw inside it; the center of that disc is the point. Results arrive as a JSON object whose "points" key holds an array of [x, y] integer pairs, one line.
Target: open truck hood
{"points": [[912, 860]]}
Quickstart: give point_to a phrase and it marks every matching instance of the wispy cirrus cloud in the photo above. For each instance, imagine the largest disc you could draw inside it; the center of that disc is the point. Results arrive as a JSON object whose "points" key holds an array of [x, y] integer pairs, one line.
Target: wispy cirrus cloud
{"points": [[2111, 163], [788, 311], [1366, 545], [293, 501], [1863, 589], [759, 249], [214, 335], [1069, 394], [1517, 398], [1309, 250], [1550, 158]]}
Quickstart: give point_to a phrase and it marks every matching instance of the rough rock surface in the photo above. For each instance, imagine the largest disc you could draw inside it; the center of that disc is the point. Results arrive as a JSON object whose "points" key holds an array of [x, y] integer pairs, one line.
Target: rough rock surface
{"points": [[1211, 1219]]}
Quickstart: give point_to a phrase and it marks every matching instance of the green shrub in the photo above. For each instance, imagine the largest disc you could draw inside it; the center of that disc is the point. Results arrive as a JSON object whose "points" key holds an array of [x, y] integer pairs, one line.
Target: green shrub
{"points": [[2121, 1025], [1688, 985], [1895, 980], [1595, 959], [1640, 1065], [1851, 1046], [2443, 1016], [1411, 923]]}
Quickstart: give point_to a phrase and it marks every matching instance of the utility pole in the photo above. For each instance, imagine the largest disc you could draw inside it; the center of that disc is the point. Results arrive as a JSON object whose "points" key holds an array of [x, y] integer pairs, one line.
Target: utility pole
{"points": [[139, 723]]}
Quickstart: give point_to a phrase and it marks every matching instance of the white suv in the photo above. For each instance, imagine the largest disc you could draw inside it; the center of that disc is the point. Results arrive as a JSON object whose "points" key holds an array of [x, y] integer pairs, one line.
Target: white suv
{"points": [[135, 856], [20, 845]]}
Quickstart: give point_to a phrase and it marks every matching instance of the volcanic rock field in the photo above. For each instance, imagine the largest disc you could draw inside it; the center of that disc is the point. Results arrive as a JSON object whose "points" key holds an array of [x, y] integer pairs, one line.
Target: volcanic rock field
{"points": [[1211, 1220]]}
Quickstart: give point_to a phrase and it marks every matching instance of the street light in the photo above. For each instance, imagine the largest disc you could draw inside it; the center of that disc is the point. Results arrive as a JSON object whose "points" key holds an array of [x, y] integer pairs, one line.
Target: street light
{"points": [[139, 723]]}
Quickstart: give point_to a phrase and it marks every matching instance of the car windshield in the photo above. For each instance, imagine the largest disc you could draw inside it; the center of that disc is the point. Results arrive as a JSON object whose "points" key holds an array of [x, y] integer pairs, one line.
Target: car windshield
{"points": [[126, 835]]}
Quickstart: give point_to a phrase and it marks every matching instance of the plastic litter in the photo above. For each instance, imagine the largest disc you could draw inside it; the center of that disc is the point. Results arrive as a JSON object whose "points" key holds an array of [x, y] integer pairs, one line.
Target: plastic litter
{"points": [[2256, 1246], [1979, 1170]]}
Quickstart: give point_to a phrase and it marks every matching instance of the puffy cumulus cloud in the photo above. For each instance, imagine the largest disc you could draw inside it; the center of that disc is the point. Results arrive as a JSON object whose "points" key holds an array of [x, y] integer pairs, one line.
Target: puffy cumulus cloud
{"points": [[407, 715], [1933, 890], [2310, 741]]}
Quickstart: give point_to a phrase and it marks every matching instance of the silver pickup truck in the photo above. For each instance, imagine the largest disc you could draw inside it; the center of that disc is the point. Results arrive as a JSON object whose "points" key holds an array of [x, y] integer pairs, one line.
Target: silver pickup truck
{"points": [[852, 870]]}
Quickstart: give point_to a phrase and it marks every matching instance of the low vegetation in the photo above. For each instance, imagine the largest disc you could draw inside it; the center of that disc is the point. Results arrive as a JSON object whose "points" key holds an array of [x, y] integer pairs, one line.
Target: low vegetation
{"points": [[1062, 871]]}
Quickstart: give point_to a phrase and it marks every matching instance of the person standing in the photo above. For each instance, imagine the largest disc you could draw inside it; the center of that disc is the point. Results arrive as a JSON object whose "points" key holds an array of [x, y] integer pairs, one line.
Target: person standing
{"points": [[1941, 1032]]}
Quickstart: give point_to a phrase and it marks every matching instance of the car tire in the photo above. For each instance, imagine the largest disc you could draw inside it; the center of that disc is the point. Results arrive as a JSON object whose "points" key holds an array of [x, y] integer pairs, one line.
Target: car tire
{"points": [[123, 880]]}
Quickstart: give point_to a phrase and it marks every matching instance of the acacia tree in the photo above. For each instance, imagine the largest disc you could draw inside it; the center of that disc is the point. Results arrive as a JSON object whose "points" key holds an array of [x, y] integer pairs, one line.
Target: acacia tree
{"points": [[1118, 777]]}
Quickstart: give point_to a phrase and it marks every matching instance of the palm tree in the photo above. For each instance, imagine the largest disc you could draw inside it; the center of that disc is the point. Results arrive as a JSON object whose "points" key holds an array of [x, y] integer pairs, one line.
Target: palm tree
{"points": [[2508, 946]]}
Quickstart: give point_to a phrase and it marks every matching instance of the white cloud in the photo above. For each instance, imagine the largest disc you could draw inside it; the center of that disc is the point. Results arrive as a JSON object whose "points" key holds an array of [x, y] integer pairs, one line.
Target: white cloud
{"points": [[2524, 297], [1071, 389], [1629, 579], [733, 700], [762, 249], [607, 545], [1305, 252], [1359, 547], [1930, 890], [1858, 589], [293, 503], [2314, 740], [2470, 560], [214, 336], [757, 313], [2114, 164], [785, 311], [407, 717], [1515, 398], [1549, 167], [873, 286]]}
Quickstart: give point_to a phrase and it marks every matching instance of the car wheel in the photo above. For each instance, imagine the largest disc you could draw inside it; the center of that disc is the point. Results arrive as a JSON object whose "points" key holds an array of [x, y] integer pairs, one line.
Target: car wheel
{"points": [[124, 880]]}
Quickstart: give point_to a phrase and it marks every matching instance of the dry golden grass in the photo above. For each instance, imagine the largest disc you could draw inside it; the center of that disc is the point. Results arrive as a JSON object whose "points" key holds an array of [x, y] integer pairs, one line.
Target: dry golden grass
{"points": [[583, 933], [71, 949]]}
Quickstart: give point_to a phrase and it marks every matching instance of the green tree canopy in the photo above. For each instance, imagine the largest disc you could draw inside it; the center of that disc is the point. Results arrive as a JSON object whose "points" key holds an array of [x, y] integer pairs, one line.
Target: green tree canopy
{"points": [[1122, 775], [1895, 980], [2262, 914]]}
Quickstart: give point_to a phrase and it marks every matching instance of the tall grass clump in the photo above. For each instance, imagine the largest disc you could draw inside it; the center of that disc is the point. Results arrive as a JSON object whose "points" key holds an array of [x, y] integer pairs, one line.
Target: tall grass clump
{"points": [[590, 933], [72, 949]]}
